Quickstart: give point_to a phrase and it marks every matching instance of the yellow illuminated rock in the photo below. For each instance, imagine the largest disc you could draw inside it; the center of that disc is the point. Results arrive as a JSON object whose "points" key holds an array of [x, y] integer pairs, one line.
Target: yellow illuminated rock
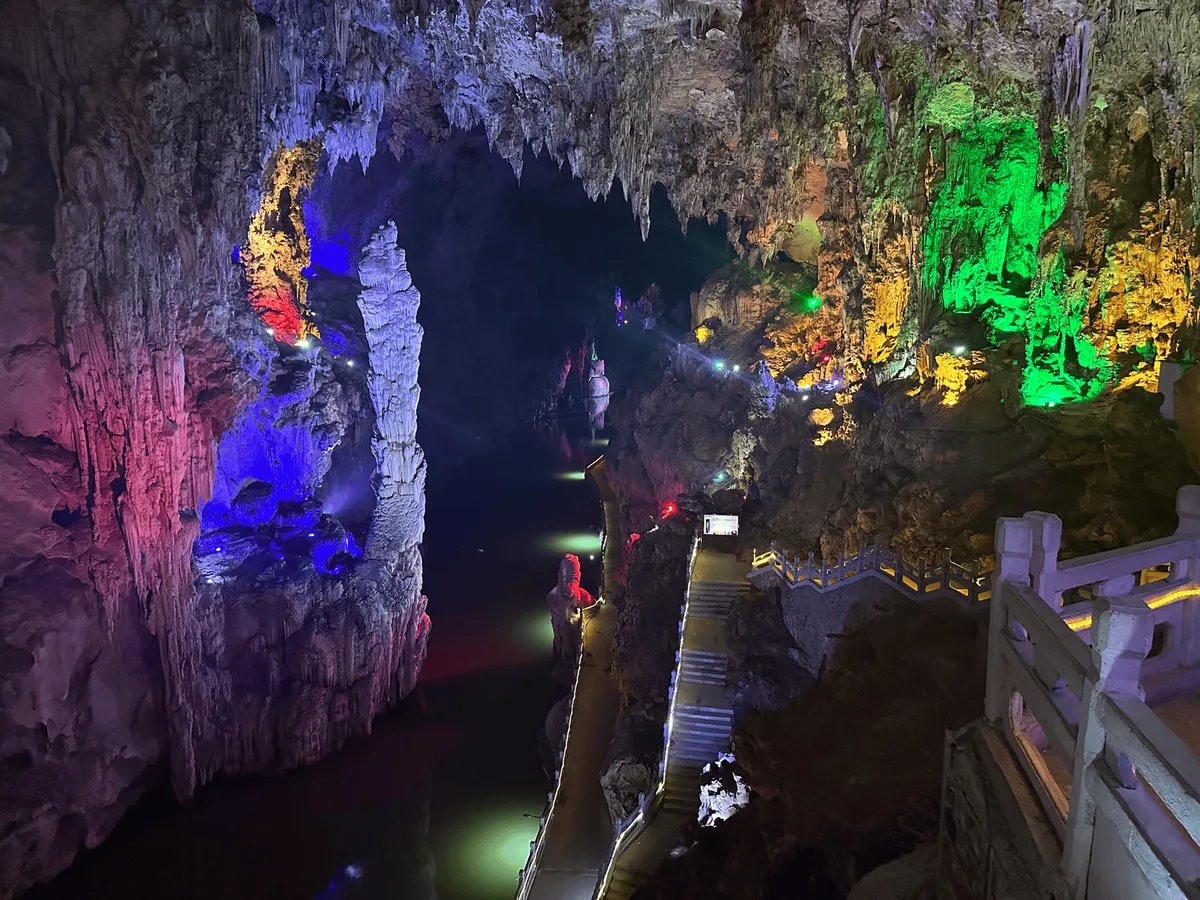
{"points": [[952, 375], [1140, 296], [885, 299], [821, 417], [277, 246]]}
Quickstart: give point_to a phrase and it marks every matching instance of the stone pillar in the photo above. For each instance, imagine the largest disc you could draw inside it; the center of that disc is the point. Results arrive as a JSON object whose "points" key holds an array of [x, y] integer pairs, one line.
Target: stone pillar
{"points": [[389, 304], [1187, 507], [1122, 631], [1014, 545], [1043, 561]]}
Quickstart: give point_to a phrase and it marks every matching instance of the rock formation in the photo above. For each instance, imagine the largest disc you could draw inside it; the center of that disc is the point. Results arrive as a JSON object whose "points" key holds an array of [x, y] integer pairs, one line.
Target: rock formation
{"points": [[565, 603], [996, 204], [129, 140], [597, 393]]}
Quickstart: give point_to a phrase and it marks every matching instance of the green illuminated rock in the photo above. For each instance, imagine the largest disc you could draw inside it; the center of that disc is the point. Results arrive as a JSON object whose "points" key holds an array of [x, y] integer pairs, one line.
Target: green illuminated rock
{"points": [[952, 105], [986, 222]]}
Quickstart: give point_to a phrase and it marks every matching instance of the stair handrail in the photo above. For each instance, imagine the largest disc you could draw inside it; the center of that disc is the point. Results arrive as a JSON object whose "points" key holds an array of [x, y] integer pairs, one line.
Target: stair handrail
{"points": [[919, 579]]}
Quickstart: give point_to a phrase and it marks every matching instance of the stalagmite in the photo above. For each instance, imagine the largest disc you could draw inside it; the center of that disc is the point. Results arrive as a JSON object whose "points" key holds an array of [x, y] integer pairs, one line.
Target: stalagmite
{"points": [[389, 304]]}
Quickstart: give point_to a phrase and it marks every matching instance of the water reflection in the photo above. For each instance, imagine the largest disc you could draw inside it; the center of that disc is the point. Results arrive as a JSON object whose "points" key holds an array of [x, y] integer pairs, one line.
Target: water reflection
{"points": [[453, 775], [577, 542], [491, 846]]}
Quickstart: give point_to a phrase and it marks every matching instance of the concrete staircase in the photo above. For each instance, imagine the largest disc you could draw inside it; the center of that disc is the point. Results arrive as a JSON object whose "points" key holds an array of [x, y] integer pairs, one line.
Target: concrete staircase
{"points": [[712, 599], [625, 882], [703, 667], [701, 724]]}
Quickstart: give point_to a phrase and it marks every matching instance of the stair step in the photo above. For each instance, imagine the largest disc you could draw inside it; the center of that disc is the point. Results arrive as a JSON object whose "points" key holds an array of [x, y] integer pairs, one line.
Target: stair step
{"points": [[696, 734], [704, 666]]}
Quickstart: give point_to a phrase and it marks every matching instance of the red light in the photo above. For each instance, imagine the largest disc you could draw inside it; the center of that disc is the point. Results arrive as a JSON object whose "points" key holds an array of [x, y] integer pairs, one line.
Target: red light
{"points": [[825, 358], [634, 536], [276, 307], [669, 509]]}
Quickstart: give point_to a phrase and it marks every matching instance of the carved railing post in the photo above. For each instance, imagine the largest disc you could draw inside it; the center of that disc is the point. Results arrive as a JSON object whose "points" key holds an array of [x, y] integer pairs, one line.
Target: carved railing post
{"points": [[1122, 632], [1014, 544], [1043, 563]]}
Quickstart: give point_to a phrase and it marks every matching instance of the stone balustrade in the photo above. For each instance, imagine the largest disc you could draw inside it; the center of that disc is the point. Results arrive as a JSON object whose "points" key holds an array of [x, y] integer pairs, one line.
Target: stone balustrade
{"points": [[919, 578], [1121, 788]]}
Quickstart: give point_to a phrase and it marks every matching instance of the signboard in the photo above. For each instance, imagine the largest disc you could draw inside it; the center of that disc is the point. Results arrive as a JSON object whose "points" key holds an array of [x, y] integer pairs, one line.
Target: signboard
{"points": [[720, 524]]}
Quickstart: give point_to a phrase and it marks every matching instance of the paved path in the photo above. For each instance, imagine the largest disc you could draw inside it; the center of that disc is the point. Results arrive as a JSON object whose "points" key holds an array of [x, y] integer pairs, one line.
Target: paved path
{"points": [[703, 720], [580, 831], [577, 839]]}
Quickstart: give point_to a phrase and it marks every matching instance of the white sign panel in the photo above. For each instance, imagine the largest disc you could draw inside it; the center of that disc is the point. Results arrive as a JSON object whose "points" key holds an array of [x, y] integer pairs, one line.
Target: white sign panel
{"points": [[720, 524]]}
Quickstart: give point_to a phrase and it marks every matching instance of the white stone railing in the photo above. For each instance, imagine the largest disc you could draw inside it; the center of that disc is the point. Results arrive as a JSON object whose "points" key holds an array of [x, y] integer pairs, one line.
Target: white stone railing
{"points": [[916, 577], [1131, 813], [628, 830]]}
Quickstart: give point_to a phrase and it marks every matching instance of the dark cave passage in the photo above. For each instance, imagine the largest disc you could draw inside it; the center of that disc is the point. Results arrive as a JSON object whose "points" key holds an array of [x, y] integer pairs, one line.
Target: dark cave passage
{"points": [[511, 274]]}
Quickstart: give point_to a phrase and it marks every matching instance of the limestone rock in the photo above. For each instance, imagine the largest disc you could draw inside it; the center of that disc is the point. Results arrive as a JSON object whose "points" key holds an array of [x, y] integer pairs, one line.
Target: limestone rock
{"points": [[911, 877]]}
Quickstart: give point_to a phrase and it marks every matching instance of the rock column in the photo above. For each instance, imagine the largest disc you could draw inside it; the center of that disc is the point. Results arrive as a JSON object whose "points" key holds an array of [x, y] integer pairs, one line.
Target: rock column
{"points": [[392, 558]]}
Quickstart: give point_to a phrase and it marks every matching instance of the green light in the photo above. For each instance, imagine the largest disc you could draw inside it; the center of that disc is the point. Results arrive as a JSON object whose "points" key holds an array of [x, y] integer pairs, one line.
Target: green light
{"points": [[488, 850], [720, 477], [577, 542], [571, 476], [719, 364], [988, 217], [535, 632]]}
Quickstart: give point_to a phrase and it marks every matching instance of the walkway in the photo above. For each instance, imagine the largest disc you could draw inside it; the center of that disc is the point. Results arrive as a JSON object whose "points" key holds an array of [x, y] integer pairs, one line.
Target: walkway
{"points": [[574, 847], [578, 835], [701, 720]]}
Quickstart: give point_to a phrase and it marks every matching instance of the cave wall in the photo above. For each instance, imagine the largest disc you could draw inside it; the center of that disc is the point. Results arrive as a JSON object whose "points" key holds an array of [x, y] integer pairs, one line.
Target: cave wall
{"points": [[123, 187], [131, 150]]}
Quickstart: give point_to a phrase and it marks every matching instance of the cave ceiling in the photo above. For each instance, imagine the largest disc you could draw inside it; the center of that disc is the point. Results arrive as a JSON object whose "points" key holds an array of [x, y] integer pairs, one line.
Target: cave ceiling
{"points": [[726, 104]]}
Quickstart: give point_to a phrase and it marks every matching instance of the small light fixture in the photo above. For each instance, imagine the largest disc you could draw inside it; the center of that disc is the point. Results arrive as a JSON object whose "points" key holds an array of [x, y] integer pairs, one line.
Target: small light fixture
{"points": [[350, 363], [960, 350], [737, 368], [271, 331], [312, 534], [1050, 404], [837, 382], [591, 556], [302, 343], [719, 364], [804, 396]]}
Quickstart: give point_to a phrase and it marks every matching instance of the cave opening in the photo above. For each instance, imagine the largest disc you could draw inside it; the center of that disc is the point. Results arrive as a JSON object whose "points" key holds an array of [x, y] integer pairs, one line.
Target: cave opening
{"points": [[516, 280], [311, 346]]}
